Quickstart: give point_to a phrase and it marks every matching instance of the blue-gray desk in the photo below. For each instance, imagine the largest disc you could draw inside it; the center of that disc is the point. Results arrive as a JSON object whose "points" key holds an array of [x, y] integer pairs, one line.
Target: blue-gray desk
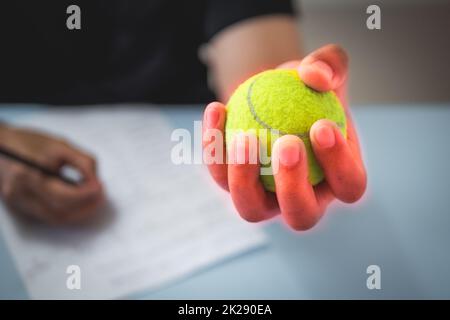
{"points": [[402, 224]]}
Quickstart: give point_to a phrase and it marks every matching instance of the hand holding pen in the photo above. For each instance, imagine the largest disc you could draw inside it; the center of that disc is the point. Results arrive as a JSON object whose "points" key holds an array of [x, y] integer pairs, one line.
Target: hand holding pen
{"points": [[34, 179]]}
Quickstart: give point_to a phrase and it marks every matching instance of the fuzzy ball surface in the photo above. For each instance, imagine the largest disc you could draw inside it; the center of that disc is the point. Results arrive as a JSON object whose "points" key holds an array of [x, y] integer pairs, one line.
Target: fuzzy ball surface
{"points": [[275, 103]]}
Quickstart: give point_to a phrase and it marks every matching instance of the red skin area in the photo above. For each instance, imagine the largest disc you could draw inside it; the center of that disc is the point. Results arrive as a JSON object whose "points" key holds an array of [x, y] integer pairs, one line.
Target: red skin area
{"points": [[300, 204]]}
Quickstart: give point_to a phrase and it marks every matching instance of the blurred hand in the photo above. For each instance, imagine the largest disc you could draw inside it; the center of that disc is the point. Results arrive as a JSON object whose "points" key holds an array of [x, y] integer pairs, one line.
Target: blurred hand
{"points": [[29, 192], [300, 204]]}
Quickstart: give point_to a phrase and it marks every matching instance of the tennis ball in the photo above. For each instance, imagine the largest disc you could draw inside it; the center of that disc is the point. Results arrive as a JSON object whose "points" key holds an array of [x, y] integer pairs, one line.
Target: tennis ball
{"points": [[280, 103]]}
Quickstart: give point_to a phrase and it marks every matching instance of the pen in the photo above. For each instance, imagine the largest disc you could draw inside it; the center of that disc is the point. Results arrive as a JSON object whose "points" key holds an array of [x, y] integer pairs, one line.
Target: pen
{"points": [[31, 164]]}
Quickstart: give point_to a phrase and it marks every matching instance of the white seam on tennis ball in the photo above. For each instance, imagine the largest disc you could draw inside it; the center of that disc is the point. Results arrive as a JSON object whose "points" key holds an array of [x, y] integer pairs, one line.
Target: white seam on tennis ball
{"points": [[265, 125]]}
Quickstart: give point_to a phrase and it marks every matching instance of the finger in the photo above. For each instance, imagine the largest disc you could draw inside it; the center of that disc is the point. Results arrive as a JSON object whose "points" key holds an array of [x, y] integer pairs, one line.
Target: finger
{"points": [[79, 214], [31, 204], [213, 142], [342, 165], [20, 194], [28, 205], [13, 182], [247, 192], [325, 69], [20, 199], [61, 195], [296, 197], [82, 161]]}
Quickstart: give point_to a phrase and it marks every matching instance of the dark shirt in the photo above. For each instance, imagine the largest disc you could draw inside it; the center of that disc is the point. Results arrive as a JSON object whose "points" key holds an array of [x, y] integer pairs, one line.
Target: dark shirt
{"points": [[126, 50]]}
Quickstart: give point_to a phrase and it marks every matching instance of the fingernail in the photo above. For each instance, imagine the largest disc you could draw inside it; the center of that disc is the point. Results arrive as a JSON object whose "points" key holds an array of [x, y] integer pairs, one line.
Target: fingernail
{"points": [[324, 136], [212, 118], [289, 153], [324, 68]]}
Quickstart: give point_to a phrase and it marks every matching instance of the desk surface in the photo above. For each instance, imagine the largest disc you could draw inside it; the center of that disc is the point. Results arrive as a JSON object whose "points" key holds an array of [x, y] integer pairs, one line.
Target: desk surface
{"points": [[402, 224]]}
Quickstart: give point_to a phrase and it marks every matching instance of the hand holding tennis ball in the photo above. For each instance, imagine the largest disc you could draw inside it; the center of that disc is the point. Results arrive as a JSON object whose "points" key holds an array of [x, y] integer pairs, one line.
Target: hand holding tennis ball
{"points": [[315, 146], [275, 103]]}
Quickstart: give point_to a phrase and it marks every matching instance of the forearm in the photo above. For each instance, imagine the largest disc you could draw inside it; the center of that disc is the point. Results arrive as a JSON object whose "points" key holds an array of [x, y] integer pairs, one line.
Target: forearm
{"points": [[249, 47]]}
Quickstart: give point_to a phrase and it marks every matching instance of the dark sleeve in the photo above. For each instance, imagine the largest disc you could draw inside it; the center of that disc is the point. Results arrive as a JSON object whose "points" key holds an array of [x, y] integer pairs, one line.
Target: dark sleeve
{"points": [[222, 13]]}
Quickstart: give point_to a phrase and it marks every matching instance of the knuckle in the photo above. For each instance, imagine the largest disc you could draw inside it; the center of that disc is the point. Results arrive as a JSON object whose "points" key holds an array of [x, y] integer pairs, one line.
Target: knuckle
{"points": [[57, 218], [351, 197], [89, 160], [17, 172], [250, 212], [8, 192], [303, 219], [86, 215], [337, 49], [9, 186], [251, 215], [352, 190], [303, 224], [354, 193]]}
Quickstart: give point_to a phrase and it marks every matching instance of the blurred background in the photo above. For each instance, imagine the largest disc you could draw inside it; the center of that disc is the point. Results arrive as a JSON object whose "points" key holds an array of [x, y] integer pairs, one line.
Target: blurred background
{"points": [[407, 61]]}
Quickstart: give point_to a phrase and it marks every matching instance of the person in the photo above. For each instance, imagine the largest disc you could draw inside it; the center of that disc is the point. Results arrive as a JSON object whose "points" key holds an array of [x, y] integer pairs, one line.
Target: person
{"points": [[167, 52]]}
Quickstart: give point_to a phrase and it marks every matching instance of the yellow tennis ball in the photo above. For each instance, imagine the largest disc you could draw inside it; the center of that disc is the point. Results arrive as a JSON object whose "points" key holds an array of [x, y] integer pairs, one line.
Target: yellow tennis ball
{"points": [[278, 102]]}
